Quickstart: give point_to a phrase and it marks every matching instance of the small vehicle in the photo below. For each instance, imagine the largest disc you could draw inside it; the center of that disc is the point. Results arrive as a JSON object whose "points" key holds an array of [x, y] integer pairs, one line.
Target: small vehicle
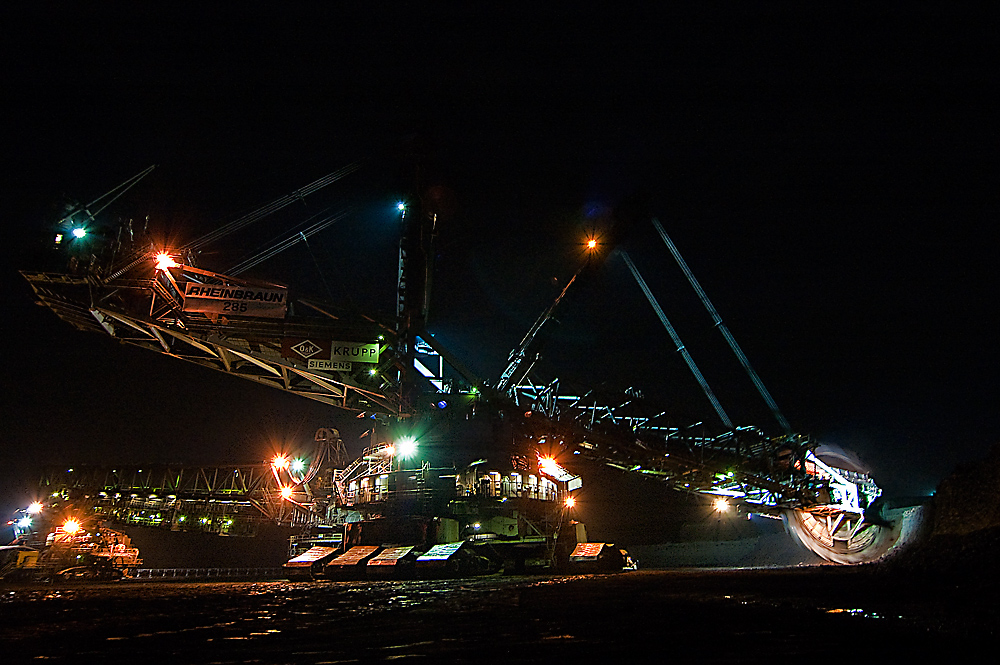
{"points": [[17, 562]]}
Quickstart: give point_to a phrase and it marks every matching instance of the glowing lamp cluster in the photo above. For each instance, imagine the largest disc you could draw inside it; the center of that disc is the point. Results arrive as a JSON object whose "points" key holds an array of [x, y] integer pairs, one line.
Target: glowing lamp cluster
{"points": [[548, 465], [406, 447], [164, 261], [551, 468]]}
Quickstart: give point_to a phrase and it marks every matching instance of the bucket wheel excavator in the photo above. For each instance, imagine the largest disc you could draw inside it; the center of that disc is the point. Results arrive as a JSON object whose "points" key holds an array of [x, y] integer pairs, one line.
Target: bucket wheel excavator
{"points": [[155, 298]]}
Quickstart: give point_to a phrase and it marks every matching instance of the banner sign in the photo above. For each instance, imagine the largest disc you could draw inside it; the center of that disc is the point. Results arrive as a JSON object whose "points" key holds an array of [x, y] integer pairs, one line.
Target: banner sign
{"points": [[327, 354], [235, 300], [330, 365], [356, 351]]}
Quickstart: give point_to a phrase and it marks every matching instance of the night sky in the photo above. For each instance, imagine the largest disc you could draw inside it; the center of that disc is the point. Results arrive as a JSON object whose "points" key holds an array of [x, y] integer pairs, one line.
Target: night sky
{"points": [[830, 179]]}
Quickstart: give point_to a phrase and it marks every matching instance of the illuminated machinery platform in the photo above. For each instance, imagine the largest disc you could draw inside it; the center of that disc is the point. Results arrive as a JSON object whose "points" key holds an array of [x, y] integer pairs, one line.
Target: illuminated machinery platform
{"points": [[261, 332], [229, 500], [163, 309], [398, 499]]}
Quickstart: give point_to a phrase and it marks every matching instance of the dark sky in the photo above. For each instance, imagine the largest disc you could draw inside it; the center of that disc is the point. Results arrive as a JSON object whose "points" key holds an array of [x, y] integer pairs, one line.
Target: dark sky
{"points": [[830, 179]]}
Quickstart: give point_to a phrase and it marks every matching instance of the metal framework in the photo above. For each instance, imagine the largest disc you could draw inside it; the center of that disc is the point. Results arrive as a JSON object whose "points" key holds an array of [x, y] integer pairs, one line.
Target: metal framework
{"points": [[741, 463], [218, 499], [147, 305], [148, 314]]}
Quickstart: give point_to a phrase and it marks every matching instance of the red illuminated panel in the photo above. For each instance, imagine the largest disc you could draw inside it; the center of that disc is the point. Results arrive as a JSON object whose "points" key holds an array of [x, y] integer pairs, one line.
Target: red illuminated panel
{"points": [[353, 556], [390, 556]]}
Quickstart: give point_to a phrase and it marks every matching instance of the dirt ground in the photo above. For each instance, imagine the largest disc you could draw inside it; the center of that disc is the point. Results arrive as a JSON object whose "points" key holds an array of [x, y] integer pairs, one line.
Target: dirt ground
{"points": [[965, 533]]}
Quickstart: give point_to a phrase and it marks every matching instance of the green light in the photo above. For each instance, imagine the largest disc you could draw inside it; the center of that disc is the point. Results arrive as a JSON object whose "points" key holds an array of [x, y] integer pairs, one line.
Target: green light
{"points": [[79, 232], [406, 447], [298, 465]]}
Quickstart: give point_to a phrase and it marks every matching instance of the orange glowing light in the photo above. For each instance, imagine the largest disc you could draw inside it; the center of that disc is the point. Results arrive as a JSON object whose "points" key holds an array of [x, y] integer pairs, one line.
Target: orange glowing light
{"points": [[569, 502], [286, 492], [71, 527], [280, 462], [548, 465], [721, 505], [164, 261], [35, 508], [592, 243]]}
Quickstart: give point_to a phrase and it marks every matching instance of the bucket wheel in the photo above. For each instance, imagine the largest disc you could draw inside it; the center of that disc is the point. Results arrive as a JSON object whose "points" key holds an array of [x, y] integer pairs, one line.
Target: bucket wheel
{"points": [[837, 535]]}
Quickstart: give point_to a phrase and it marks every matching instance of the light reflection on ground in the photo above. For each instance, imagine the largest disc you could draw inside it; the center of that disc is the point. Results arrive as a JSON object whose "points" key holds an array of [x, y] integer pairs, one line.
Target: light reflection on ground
{"points": [[490, 619]]}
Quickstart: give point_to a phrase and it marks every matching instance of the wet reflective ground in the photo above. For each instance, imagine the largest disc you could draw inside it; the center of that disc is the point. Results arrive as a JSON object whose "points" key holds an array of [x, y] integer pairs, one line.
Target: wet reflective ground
{"points": [[645, 616]]}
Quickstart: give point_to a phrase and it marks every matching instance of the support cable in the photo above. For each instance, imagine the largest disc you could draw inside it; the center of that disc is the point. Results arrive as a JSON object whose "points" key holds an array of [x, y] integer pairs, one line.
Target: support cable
{"points": [[518, 356], [124, 187], [677, 342], [285, 235], [269, 208], [258, 214], [288, 242], [322, 277], [723, 329]]}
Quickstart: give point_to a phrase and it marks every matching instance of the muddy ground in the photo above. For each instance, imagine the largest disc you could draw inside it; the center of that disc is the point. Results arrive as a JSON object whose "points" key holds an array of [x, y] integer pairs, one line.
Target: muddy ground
{"points": [[713, 616], [965, 534]]}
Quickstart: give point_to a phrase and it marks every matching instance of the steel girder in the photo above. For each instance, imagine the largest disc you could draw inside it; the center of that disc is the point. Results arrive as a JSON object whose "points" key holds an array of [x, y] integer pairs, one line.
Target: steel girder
{"points": [[249, 349]]}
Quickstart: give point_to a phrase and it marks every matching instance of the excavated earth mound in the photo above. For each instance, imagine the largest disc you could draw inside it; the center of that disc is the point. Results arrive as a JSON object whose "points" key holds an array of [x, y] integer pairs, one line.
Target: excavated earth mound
{"points": [[964, 539]]}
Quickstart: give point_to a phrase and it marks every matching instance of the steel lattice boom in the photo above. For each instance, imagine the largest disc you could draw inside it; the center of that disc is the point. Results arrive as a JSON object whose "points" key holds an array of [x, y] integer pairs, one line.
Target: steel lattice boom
{"points": [[265, 333]]}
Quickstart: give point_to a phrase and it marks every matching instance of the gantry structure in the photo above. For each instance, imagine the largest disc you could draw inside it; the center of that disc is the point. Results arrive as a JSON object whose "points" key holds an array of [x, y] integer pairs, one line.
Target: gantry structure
{"points": [[155, 298]]}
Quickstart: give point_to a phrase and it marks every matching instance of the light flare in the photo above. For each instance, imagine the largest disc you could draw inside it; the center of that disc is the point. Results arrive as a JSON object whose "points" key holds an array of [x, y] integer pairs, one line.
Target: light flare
{"points": [[164, 261], [71, 527], [406, 447], [550, 467]]}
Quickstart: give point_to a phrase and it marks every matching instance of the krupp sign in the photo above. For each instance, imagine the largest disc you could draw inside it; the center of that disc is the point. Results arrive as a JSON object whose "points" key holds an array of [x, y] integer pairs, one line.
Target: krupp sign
{"points": [[235, 300], [326, 354], [356, 351]]}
